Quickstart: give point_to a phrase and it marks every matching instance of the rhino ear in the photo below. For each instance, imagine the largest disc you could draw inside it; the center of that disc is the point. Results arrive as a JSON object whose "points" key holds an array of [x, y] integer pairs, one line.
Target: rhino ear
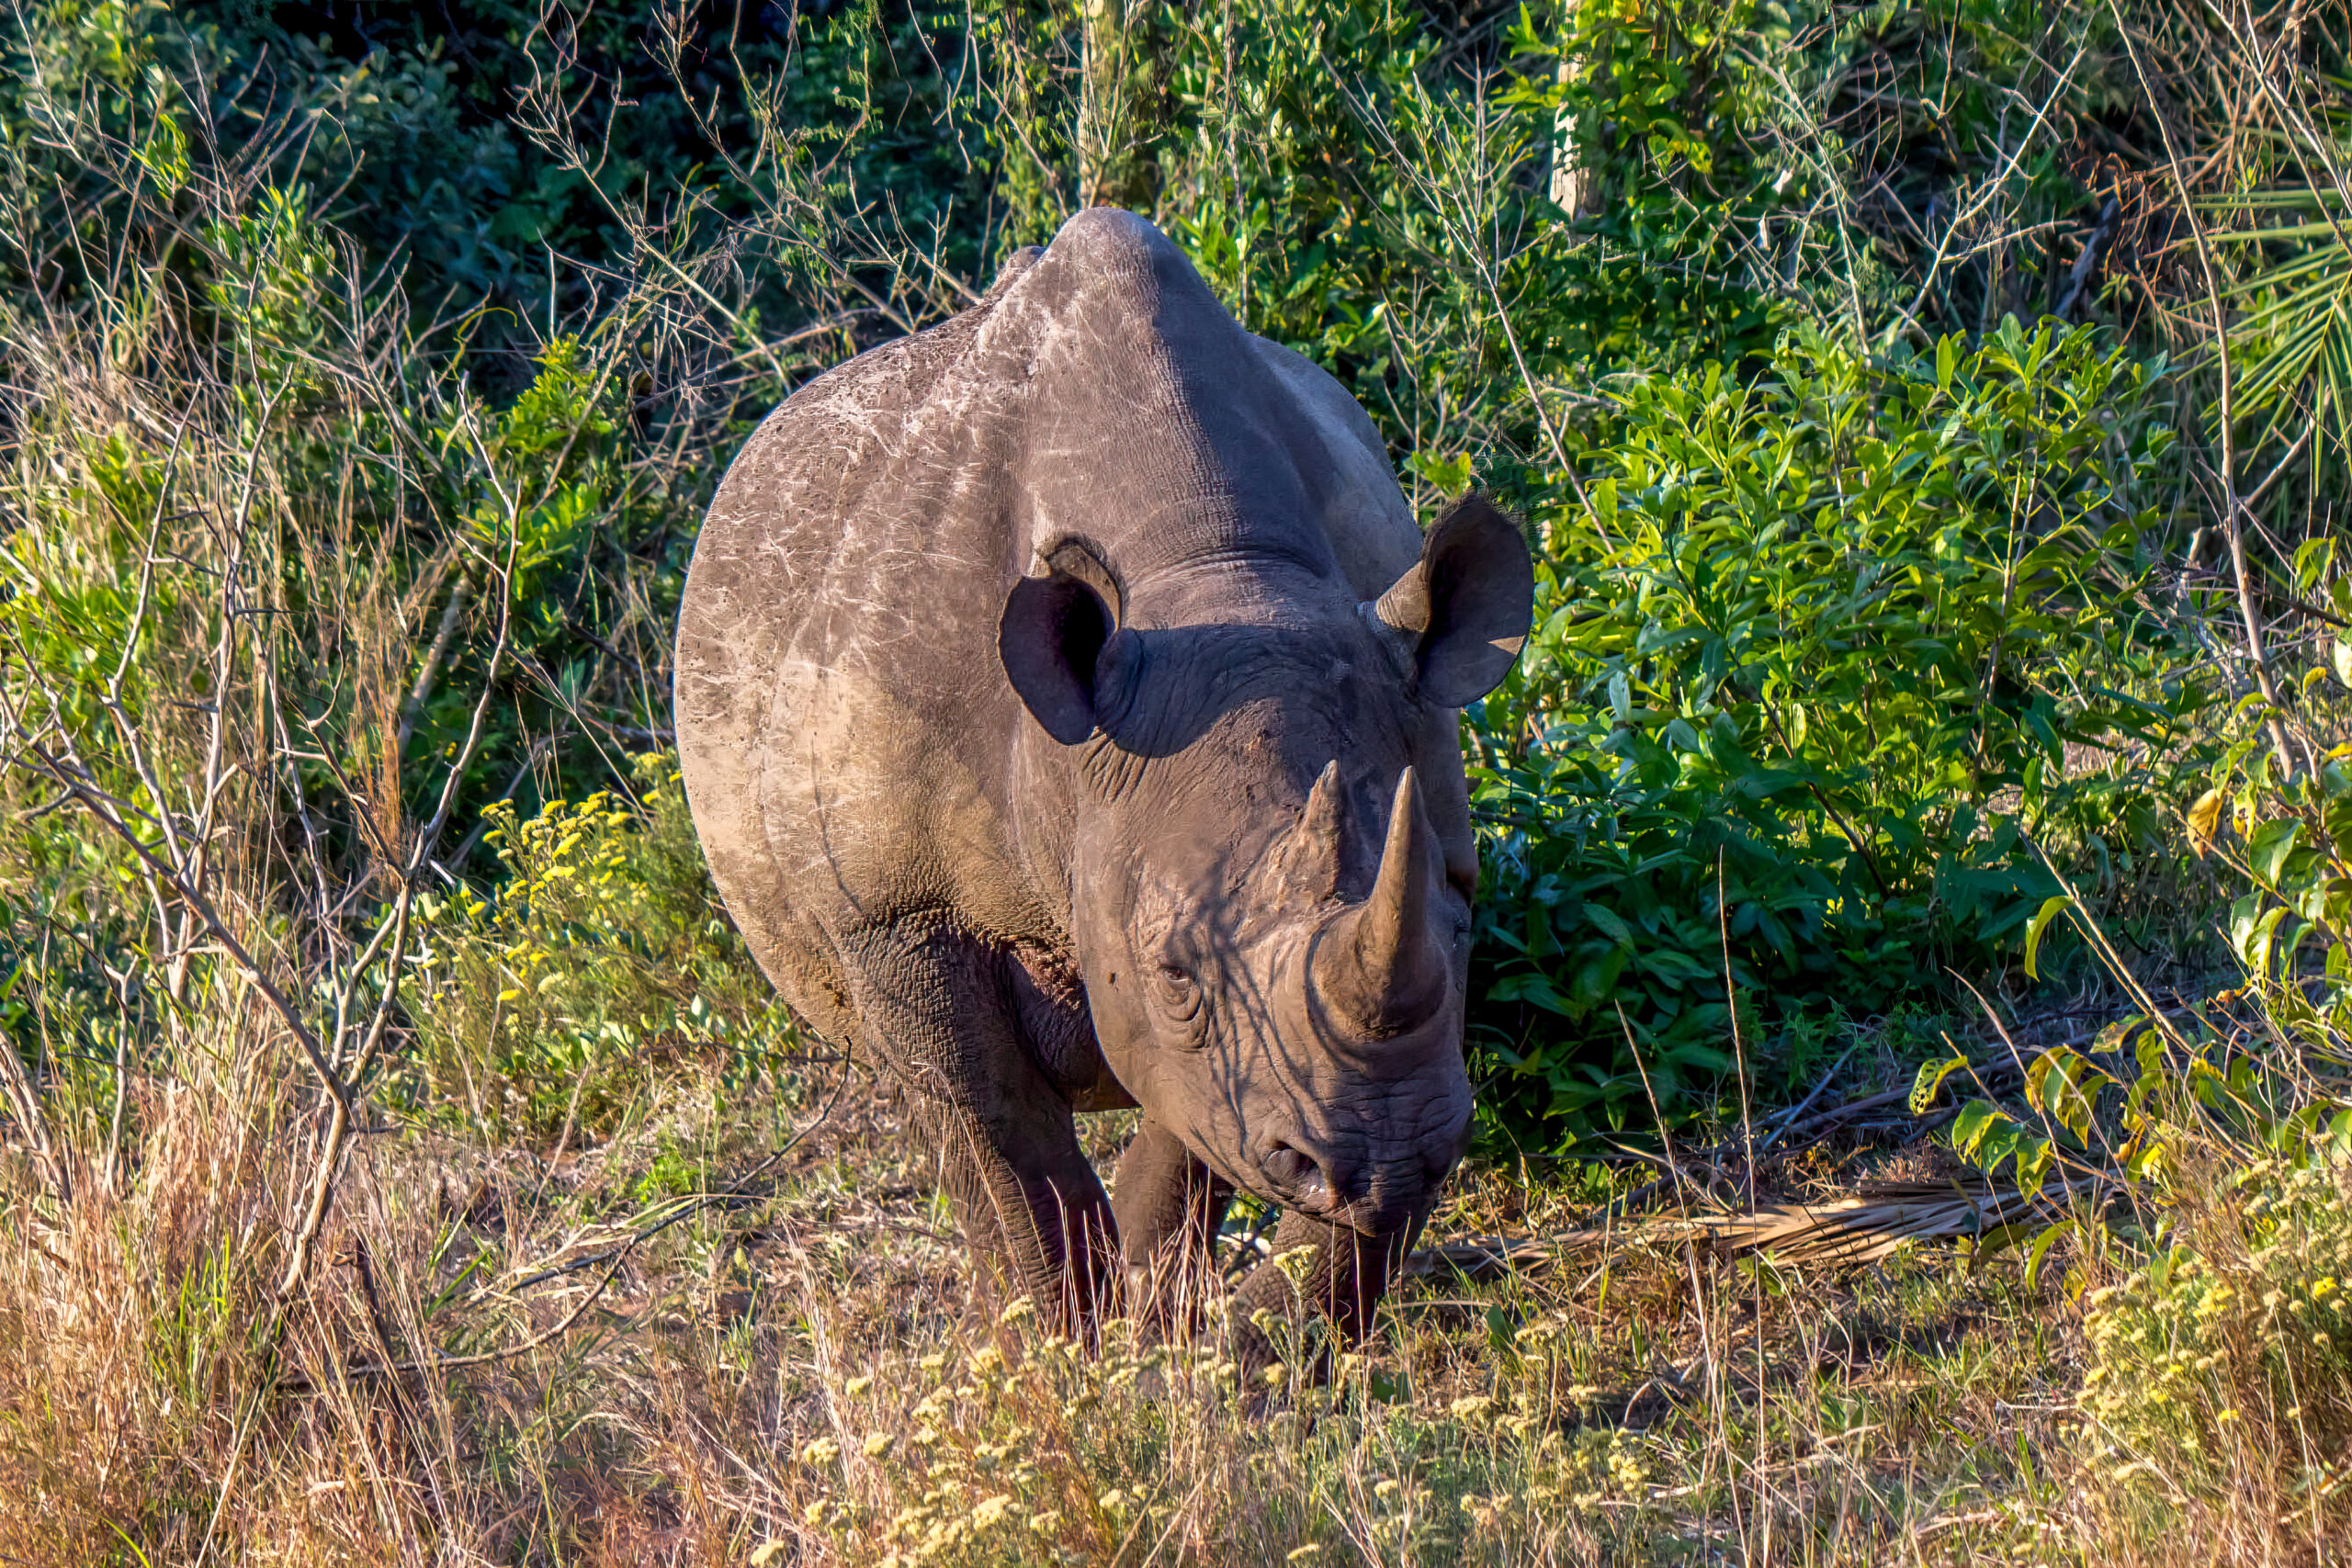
{"points": [[1464, 607], [1052, 634]]}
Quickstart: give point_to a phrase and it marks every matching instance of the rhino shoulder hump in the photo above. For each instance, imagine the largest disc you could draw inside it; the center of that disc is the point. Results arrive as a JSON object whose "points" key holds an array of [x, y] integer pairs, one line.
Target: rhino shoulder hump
{"points": [[1364, 513]]}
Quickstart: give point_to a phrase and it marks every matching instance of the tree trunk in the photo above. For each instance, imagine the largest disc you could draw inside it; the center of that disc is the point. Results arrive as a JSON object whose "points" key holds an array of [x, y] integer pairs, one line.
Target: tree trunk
{"points": [[1570, 180], [1103, 109]]}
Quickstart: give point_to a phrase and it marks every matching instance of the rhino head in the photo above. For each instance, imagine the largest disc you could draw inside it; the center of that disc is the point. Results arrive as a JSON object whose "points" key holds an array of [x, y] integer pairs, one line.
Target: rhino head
{"points": [[1270, 858]]}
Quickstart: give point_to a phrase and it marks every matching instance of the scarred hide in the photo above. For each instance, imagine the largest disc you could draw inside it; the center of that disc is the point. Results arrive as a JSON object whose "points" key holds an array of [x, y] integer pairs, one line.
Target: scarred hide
{"points": [[1068, 705]]}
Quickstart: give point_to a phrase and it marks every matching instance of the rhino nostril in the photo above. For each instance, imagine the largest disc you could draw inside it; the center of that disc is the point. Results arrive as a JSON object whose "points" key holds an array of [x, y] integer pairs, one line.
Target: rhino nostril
{"points": [[1291, 1168]]}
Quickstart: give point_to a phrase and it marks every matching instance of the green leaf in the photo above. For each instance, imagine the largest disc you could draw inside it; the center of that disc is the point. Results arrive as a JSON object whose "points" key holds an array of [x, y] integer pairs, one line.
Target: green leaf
{"points": [[1536, 989], [2034, 1156], [2064, 1084], [2254, 940], [2273, 842], [2312, 559], [1609, 923], [1976, 1118], [2039, 1252], [1674, 966], [1502, 1335], [2338, 1142], [2000, 1140], [2244, 911], [1993, 1242]]}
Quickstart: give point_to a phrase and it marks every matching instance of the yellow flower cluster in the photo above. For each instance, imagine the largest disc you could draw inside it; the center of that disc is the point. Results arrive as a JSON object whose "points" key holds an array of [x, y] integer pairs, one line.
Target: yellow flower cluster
{"points": [[2191, 1354], [1035, 1448], [602, 946], [1561, 1471]]}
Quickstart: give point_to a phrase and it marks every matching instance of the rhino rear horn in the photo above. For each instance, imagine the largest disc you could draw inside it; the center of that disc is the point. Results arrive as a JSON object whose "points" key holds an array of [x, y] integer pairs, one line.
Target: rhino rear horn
{"points": [[1308, 862], [1376, 967], [1463, 609]]}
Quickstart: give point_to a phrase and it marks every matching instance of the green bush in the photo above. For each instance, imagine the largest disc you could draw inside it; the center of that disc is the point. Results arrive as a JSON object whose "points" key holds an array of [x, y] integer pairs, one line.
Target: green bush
{"points": [[441, 130], [602, 955], [2289, 841], [1829, 662]]}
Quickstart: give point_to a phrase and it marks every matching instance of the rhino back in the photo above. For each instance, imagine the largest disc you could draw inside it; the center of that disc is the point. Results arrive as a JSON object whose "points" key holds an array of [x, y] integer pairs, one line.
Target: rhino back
{"points": [[852, 749], [841, 726]]}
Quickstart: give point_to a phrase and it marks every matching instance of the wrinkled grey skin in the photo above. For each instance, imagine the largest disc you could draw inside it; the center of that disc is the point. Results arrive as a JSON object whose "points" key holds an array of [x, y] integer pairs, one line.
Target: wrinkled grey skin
{"points": [[1047, 688]]}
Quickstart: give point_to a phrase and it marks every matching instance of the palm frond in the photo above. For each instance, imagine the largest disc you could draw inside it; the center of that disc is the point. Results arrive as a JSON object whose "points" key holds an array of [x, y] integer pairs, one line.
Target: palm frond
{"points": [[1865, 1228], [2294, 342]]}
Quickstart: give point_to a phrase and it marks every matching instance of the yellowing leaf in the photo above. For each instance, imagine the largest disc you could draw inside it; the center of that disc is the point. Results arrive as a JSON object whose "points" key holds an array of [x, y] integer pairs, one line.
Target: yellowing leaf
{"points": [[2205, 820], [2035, 927], [1931, 1080]]}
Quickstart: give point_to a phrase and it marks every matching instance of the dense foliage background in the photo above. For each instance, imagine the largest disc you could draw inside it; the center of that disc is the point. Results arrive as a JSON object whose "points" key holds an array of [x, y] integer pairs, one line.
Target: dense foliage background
{"points": [[1851, 366]]}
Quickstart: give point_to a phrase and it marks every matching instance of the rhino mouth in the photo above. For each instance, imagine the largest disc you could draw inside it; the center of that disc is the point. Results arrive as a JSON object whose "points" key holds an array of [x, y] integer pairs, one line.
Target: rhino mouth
{"points": [[1374, 1197]]}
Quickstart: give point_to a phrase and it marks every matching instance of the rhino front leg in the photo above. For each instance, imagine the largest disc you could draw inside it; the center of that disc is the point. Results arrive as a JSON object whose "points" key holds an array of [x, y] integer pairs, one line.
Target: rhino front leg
{"points": [[940, 1012], [1343, 1276], [1032, 1211], [1169, 1206]]}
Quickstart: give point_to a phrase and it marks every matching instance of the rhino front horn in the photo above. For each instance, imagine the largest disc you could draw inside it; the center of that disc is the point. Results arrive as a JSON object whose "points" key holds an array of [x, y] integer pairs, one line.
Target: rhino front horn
{"points": [[1375, 969]]}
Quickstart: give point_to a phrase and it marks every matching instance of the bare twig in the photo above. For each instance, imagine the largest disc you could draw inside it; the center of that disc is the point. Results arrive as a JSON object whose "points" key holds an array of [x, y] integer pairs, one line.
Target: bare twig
{"points": [[2232, 506]]}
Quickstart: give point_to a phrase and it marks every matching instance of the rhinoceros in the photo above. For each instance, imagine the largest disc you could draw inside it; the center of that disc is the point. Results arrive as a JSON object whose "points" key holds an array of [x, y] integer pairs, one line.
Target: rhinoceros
{"points": [[1068, 703]]}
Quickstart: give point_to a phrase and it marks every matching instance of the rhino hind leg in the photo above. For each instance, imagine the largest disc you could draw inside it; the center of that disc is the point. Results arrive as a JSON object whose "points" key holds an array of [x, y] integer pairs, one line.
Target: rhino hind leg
{"points": [[936, 1010], [1169, 1206]]}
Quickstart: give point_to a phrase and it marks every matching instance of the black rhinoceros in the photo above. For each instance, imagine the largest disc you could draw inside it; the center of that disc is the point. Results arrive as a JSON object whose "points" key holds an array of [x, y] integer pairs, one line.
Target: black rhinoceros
{"points": [[1067, 704]]}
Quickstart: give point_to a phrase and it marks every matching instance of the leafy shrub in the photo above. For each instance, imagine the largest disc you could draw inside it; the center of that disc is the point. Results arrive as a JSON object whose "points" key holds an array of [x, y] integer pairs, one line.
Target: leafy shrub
{"points": [[2289, 840], [1828, 663], [2290, 844], [441, 130], [601, 953], [2218, 1143]]}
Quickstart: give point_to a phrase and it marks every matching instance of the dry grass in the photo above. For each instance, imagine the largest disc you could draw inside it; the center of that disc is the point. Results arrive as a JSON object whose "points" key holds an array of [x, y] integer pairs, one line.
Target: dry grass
{"points": [[726, 1318], [808, 1363]]}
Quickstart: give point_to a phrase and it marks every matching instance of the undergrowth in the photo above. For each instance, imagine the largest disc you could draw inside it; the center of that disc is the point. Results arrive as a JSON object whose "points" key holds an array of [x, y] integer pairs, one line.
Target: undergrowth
{"points": [[601, 959]]}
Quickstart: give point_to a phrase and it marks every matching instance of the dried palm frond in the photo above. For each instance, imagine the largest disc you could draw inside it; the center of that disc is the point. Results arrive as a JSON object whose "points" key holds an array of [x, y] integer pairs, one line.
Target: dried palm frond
{"points": [[1864, 1228], [1871, 1224]]}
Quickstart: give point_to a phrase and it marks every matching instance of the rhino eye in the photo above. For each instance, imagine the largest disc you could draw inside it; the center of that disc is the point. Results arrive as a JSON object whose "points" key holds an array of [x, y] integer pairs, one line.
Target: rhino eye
{"points": [[1177, 992]]}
